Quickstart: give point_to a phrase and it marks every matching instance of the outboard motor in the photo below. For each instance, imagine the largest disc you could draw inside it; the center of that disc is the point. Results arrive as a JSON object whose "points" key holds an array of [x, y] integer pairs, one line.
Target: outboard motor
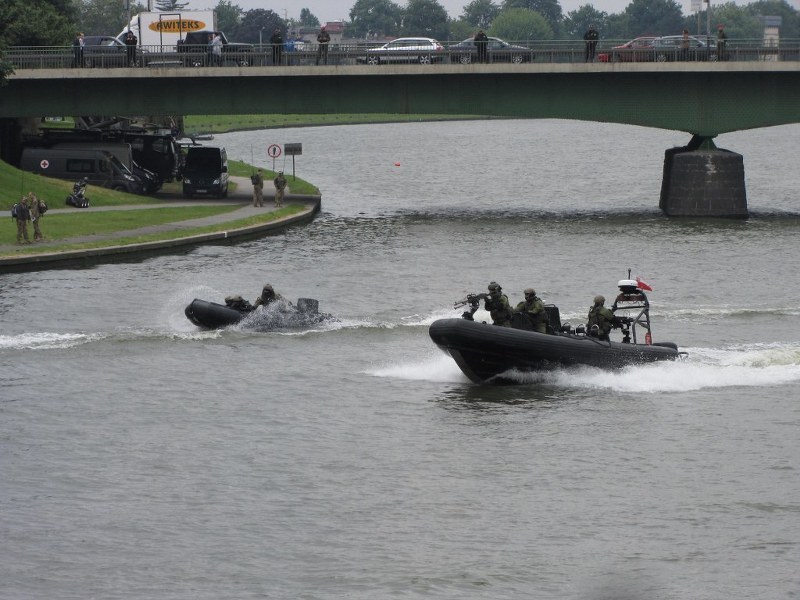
{"points": [[308, 306]]}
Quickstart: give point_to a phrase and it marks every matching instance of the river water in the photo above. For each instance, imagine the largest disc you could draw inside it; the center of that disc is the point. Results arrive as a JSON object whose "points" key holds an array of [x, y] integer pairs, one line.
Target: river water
{"points": [[143, 458]]}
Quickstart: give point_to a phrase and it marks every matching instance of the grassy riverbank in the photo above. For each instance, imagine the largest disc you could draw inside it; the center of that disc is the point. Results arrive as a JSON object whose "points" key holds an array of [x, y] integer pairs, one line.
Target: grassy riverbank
{"points": [[227, 123], [62, 229]]}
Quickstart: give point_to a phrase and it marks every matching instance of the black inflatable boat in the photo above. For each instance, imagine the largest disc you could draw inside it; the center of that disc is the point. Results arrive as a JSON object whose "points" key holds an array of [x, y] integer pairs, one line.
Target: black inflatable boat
{"points": [[487, 353], [278, 315]]}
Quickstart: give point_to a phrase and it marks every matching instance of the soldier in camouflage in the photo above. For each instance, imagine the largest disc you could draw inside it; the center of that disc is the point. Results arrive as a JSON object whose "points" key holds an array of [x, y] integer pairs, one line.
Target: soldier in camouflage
{"points": [[601, 317], [533, 308], [267, 297], [498, 306]]}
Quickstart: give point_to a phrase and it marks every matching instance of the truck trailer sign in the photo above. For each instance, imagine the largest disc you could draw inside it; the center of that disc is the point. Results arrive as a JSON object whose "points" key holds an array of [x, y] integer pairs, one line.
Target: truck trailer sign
{"points": [[177, 25]]}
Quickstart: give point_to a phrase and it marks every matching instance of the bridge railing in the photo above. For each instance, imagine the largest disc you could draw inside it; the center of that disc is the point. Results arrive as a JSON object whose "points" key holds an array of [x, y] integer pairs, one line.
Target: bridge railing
{"points": [[569, 51]]}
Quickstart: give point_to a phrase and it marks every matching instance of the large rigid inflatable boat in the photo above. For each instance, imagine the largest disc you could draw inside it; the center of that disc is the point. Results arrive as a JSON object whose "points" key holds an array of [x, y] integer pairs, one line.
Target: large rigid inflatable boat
{"points": [[487, 353]]}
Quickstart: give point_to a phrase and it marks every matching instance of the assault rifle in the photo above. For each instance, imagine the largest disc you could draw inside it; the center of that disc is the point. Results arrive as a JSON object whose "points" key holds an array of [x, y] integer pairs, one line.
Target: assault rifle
{"points": [[473, 301]]}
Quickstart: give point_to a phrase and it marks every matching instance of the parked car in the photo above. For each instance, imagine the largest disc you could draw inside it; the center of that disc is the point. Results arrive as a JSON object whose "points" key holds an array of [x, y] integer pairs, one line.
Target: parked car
{"points": [[406, 50], [466, 52], [198, 51], [104, 51], [669, 48], [638, 49]]}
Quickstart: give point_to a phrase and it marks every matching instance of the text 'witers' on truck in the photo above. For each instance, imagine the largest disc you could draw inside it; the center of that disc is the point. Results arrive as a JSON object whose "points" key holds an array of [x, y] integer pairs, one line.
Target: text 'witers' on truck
{"points": [[198, 51]]}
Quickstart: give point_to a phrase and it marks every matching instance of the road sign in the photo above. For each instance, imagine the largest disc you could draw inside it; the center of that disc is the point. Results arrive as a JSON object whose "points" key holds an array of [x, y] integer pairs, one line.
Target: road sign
{"points": [[274, 151], [293, 149]]}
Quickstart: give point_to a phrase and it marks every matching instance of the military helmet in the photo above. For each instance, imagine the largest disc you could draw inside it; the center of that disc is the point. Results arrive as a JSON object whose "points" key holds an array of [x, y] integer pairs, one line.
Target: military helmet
{"points": [[268, 287], [599, 299], [494, 286], [235, 298], [530, 292]]}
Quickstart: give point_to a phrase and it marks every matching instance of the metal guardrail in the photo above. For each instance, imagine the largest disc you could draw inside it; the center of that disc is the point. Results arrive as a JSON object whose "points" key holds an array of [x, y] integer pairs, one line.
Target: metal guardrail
{"points": [[62, 57]]}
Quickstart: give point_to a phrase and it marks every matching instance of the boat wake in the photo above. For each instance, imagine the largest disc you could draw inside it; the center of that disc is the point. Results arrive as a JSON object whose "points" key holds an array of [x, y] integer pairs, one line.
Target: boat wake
{"points": [[757, 365]]}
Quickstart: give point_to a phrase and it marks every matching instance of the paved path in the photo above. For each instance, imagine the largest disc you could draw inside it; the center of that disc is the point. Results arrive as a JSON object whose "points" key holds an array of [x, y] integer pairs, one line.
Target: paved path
{"points": [[241, 197]]}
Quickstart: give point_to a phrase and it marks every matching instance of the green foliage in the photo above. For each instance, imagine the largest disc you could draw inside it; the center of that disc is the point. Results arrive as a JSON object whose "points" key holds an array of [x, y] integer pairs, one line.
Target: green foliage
{"points": [[461, 30], [739, 23], [100, 17], [307, 18], [659, 17], [479, 14], [425, 18], [374, 18], [521, 25], [790, 25], [549, 9], [37, 22], [229, 16], [578, 21], [257, 25]]}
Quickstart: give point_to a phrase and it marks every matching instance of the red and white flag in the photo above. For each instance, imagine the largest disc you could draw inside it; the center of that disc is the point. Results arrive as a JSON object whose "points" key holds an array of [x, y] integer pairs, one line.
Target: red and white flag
{"points": [[643, 286]]}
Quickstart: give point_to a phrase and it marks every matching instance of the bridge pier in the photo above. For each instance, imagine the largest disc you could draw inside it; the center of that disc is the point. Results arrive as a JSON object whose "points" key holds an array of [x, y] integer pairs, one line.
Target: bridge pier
{"points": [[701, 180]]}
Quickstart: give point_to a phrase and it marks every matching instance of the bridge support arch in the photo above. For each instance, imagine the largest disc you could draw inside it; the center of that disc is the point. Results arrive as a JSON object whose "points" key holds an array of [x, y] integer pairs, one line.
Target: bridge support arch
{"points": [[701, 180]]}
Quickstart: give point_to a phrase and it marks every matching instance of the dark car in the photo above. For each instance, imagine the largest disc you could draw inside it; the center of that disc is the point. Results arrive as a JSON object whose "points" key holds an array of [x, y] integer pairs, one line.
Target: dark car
{"points": [[104, 51], [205, 172], [637, 50], [498, 51], [670, 48], [198, 51]]}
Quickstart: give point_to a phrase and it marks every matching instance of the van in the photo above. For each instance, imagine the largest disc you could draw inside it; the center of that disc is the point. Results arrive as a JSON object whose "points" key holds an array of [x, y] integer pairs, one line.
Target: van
{"points": [[99, 167], [124, 153], [205, 171]]}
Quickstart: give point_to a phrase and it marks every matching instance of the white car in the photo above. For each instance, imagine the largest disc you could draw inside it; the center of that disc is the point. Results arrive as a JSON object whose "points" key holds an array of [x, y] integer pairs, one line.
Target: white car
{"points": [[406, 50]]}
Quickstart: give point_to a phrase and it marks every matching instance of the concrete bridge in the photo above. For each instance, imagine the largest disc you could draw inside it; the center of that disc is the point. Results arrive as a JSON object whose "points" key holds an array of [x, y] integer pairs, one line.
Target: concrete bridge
{"points": [[703, 99]]}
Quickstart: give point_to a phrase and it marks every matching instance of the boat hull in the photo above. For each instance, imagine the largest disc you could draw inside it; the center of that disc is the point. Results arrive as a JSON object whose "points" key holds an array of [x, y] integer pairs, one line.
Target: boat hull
{"points": [[486, 352], [280, 315]]}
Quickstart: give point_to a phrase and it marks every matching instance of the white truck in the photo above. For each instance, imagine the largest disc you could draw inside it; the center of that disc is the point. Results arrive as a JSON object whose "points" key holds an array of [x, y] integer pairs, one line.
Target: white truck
{"points": [[160, 31]]}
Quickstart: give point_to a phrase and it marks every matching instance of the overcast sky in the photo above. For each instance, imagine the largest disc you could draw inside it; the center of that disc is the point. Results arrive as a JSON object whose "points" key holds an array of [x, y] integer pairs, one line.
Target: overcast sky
{"points": [[338, 10]]}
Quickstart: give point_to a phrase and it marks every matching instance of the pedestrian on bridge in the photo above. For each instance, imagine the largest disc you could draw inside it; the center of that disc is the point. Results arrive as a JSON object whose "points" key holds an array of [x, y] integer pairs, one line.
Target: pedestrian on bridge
{"points": [[722, 40], [130, 45], [481, 43], [277, 46], [590, 37], [323, 38], [77, 51]]}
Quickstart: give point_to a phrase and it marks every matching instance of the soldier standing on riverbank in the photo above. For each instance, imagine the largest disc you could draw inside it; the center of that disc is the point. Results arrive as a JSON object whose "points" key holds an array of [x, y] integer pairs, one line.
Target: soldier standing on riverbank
{"points": [[258, 189], [280, 185], [22, 216]]}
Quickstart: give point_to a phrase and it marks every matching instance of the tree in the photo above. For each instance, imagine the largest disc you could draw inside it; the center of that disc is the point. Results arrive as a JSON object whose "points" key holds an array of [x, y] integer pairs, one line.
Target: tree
{"points": [[549, 9], [375, 18], [101, 17], [521, 25], [37, 22], [480, 13], [739, 23], [307, 19], [257, 25], [578, 21], [660, 17], [461, 30], [425, 18], [790, 18], [229, 16], [170, 5]]}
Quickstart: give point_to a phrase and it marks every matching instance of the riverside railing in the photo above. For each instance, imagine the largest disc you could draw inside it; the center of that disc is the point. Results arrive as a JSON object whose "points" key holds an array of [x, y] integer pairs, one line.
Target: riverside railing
{"points": [[105, 57]]}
